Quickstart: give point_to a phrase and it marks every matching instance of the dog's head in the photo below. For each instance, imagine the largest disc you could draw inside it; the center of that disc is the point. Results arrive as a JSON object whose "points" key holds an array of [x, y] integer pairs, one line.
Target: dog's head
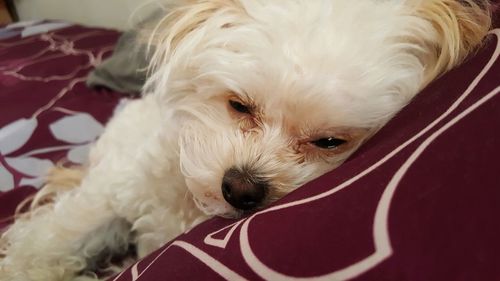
{"points": [[267, 95]]}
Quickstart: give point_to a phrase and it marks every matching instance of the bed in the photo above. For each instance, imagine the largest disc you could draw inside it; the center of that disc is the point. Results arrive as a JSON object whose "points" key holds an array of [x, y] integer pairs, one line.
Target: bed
{"points": [[419, 201]]}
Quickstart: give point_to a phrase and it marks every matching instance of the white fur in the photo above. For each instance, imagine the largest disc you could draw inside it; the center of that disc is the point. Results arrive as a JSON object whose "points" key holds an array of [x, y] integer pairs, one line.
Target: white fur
{"points": [[310, 69]]}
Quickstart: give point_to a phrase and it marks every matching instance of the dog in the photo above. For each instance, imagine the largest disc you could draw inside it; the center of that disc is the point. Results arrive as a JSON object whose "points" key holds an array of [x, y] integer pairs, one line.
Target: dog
{"points": [[247, 100]]}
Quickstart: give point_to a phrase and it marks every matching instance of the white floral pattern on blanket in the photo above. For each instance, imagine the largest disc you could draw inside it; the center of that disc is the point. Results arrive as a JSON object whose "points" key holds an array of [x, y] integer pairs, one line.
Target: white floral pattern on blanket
{"points": [[79, 130], [46, 115]]}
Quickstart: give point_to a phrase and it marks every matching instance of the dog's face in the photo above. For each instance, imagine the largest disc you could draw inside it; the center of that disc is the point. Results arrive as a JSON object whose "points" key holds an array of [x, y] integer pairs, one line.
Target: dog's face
{"points": [[242, 150], [264, 104]]}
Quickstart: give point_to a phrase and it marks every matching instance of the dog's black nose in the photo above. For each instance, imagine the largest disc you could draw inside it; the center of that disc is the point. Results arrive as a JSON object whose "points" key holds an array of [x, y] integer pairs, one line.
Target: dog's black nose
{"points": [[242, 190]]}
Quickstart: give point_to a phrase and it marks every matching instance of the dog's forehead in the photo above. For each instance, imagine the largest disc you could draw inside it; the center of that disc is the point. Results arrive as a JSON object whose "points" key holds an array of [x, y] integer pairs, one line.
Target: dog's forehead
{"points": [[308, 94], [315, 89], [314, 96], [303, 110], [330, 68]]}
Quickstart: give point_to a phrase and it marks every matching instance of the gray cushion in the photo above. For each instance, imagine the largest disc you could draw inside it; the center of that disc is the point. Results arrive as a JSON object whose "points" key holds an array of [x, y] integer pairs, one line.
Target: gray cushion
{"points": [[125, 71]]}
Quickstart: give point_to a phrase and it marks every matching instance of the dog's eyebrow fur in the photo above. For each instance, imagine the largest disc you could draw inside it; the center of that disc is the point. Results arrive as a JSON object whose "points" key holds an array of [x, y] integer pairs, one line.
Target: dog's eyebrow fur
{"points": [[246, 99]]}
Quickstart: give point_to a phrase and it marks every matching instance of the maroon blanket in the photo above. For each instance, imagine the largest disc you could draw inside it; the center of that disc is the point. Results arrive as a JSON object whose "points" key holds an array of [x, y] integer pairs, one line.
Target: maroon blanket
{"points": [[419, 201]]}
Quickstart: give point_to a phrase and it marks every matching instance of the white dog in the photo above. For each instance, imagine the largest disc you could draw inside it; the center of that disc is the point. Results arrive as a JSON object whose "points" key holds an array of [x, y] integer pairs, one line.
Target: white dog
{"points": [[247, 100]]}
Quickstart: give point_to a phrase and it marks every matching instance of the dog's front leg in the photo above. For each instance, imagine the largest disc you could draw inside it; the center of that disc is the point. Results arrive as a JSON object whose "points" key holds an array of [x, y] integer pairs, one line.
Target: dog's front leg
{"points": [[57, 242], [155, 229]]}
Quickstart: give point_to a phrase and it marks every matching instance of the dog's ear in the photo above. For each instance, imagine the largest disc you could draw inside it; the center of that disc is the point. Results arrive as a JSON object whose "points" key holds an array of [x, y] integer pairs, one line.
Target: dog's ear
{"points": [[181, 19], [457, 27]]}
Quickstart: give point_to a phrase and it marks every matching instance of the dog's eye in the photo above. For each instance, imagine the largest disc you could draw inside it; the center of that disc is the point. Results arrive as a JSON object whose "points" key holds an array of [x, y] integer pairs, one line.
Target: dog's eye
{"points": [[238, 106], [328, 143]]}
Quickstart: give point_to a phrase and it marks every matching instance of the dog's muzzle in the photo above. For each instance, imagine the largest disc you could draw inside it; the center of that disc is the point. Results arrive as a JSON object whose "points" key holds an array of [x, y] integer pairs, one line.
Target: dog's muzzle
{"points": [[242, 190]]}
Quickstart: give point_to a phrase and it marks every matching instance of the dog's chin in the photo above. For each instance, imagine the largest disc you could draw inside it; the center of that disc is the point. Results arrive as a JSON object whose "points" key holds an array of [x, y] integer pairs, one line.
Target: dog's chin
{"points": [[210, 203], [220, 211]]}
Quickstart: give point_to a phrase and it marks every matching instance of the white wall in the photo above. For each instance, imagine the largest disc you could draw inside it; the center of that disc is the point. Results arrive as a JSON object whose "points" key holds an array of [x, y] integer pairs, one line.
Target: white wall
{"points": [[106, 13]]}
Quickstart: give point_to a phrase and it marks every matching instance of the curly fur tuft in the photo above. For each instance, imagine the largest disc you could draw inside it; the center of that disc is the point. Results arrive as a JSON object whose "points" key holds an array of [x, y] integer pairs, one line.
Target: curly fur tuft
{"points": [[459, 27]]}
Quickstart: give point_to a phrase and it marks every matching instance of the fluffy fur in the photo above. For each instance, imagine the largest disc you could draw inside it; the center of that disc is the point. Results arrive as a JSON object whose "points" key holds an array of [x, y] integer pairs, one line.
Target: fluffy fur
{"points": [[299, 71]]}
